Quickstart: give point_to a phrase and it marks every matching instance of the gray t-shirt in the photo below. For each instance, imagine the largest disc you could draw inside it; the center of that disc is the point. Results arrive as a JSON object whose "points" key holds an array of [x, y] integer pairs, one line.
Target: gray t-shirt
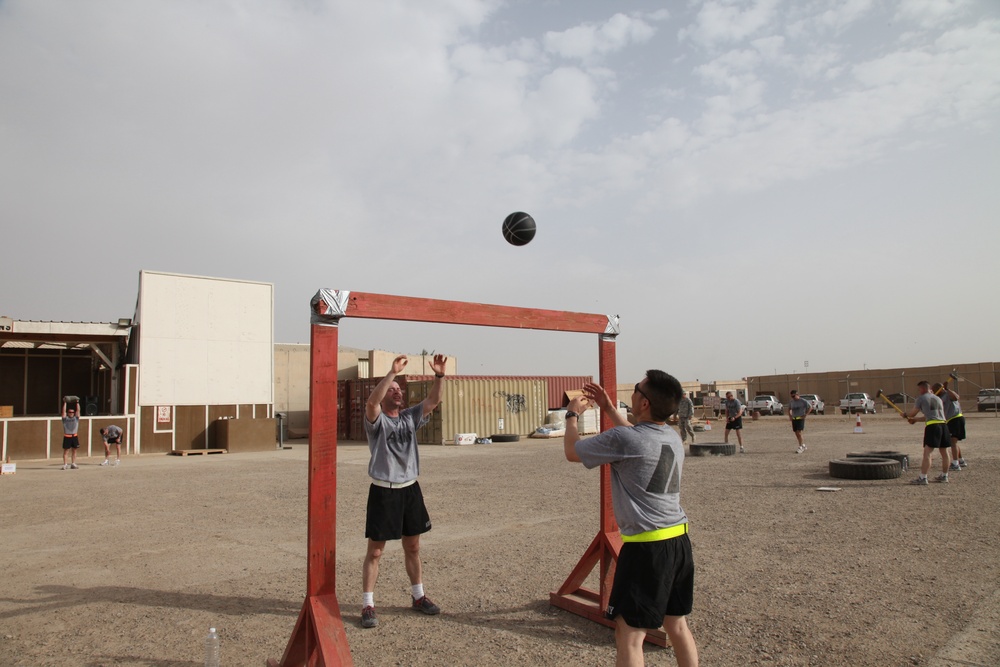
{"points": [[951, 408], [733, 406], [112, 432], [931, 406], [646, 462], [393, 444], [798, 407], [71, 425]]}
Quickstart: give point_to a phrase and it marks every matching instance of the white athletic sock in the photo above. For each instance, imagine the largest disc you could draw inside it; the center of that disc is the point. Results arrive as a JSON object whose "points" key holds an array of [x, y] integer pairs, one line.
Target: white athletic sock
{"points": [[417, 591], [368, 599]]}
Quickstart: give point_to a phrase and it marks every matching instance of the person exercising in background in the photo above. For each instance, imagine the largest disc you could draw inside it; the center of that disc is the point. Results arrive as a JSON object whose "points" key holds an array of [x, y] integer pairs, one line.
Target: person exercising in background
{"points": [[71, 441], [798, 408], [112, 435], [935, 431], [734, 419], [956, 422]]}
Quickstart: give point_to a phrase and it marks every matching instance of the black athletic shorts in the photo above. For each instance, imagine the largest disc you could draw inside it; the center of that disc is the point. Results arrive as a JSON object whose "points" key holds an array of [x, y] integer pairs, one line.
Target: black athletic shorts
{"points": [[652, 580], [71, 442], [735, 425], [956, 427], [393, 513], [799, 424], [115, 441], [936, 436]]}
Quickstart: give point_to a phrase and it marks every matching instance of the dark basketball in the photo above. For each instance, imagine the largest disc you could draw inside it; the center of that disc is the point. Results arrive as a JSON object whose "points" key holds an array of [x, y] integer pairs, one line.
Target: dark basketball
{"points": [[519, 228]]}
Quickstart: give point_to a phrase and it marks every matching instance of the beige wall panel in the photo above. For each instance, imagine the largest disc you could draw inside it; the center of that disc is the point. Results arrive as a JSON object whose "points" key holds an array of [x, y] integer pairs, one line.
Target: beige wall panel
{"points": [[205, 340]]}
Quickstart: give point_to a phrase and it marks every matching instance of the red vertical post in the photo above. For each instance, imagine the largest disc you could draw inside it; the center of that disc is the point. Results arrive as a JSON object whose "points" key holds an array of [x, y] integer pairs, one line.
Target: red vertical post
{"points": [[318, 639]]}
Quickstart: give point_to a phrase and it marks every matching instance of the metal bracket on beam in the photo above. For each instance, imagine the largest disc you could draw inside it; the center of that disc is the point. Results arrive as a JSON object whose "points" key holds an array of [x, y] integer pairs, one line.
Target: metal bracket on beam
{"points": [[612, 330], [328, 306]]}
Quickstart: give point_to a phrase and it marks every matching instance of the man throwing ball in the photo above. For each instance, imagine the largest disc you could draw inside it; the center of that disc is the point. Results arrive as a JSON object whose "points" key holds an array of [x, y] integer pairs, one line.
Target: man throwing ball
{"points": [[654, 577]]}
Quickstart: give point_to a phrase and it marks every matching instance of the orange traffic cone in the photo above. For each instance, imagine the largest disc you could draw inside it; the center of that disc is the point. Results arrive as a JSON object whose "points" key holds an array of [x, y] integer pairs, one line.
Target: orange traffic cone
{"points": [[857, 425]]}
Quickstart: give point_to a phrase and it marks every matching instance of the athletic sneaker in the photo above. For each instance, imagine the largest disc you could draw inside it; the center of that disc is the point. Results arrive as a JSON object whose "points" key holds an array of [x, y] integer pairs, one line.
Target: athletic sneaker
{"points": [[118, 462], [943, 478], [65, 466], [801, 449], [962, 463], [425, 605], [919, 481], [955, 465], [73, 466], [106, 462], [368, 617], [742, 450]]}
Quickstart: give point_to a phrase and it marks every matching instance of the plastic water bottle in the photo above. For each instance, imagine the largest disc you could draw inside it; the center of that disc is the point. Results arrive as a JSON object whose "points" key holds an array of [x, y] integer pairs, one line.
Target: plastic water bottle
{"points": [[212, 648]]}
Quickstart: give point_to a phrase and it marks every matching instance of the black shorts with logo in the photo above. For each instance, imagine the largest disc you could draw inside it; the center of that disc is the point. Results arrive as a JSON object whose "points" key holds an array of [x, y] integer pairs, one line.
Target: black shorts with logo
{"points": [[735, 425], [71, 442], [393, 513], [798, 424], [652, 580]]}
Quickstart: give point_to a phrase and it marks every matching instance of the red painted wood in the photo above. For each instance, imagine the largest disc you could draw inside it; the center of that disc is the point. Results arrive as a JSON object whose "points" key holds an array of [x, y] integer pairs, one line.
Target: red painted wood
{"points": [[385, 307], [318, 639]]}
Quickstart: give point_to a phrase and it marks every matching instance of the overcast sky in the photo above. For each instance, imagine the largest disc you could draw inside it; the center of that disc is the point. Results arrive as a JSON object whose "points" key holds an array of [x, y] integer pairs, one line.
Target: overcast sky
{"points": [[749, 185]]}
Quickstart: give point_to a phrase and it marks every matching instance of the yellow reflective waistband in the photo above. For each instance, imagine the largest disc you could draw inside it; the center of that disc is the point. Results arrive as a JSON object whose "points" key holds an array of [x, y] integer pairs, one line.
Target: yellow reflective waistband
{"points": [[936, 421], [802, 417], [658, 534], [957, 416]]}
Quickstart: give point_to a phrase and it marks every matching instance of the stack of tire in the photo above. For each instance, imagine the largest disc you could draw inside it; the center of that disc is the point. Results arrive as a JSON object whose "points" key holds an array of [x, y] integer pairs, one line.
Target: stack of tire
{"points": [[870, 465]]}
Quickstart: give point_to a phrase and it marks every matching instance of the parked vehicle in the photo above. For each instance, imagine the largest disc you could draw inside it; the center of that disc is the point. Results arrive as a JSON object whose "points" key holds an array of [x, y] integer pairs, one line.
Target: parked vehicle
{"points": [[857, 402], [765, 403], [988, 399], [818, 406]]}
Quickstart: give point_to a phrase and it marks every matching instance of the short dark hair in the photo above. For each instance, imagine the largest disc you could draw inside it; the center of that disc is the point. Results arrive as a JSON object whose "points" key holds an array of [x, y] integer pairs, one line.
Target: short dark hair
{"points": [[664, 393], [923, 383], [794, 392]]}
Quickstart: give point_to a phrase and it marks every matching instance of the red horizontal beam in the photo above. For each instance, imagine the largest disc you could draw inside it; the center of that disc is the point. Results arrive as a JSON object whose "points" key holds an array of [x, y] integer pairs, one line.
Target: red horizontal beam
{"points": [[414, 309]]}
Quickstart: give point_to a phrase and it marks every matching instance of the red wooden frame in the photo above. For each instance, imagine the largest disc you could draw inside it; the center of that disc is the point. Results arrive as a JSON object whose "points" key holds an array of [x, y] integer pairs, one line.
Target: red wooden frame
{"points": [[318, 639]]}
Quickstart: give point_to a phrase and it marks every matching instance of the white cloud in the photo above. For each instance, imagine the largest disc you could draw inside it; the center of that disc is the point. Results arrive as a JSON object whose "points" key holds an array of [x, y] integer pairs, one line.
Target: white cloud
{"points": [[721, 22], [589, 40]]}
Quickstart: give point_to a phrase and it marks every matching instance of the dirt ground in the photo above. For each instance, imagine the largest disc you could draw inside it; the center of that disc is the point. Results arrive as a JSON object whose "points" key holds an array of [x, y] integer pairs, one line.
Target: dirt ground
{"points": [[131, 565]]}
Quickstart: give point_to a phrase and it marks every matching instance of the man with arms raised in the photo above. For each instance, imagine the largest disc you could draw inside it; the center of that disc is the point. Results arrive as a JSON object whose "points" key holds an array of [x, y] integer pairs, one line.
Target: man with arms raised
{"points": [[654, 576], [395, 503]]}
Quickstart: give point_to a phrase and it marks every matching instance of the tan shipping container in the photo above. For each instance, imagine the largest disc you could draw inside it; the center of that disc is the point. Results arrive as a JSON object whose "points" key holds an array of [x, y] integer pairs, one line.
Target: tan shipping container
{"points": [[480, 405]]}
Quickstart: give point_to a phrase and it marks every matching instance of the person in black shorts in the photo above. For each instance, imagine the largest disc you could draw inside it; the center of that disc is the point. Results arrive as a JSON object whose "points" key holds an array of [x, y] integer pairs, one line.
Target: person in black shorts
{"points": [[71, 441], [396, 509], [654, 575], [734, 419], [936, 434]]}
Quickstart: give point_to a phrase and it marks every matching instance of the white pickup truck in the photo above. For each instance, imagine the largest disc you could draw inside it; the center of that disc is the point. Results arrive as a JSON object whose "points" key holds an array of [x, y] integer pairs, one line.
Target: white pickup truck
{"points": [[765, 403], [857, 402]]}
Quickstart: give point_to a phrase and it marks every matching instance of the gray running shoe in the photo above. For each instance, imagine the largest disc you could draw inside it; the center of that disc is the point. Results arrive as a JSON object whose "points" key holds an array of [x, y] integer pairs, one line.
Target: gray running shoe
{"points": [[425, 605], [954, 466], [919, 481], [962, 463], [943, 478], [368, 617]]}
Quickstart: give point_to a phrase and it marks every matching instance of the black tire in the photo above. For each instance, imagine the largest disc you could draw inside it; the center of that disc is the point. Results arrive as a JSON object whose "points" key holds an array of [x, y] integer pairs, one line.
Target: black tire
{"points": [[904, 459], [865, 468], [505, 437], [713, 448]]}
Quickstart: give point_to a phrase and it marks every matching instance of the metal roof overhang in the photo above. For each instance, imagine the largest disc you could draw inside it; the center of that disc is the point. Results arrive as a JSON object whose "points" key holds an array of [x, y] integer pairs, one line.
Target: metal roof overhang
{"points": [[24, 334]]}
